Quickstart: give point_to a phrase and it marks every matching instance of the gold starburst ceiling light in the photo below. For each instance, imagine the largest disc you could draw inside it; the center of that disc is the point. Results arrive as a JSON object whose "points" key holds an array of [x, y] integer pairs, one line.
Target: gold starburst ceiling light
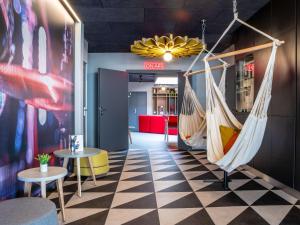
{"points": [[160, 46]]}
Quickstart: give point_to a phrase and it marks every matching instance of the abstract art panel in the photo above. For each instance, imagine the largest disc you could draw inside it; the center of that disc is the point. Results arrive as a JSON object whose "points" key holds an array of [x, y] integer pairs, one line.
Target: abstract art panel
{"points": [[36, 84]]}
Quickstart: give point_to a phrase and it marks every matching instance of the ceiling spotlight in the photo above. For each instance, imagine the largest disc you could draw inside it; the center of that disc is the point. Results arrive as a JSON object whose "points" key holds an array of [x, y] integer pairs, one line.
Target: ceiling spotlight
{"points": [[168, 56]]}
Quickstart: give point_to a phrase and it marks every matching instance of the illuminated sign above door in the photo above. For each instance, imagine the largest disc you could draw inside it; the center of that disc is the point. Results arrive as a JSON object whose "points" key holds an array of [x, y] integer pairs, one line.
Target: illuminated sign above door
{"points": [[154, 65]]}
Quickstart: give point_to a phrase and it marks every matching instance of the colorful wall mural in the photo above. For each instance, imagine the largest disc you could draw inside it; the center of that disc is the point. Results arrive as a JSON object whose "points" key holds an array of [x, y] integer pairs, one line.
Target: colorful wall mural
{"points": [[36, 84]]}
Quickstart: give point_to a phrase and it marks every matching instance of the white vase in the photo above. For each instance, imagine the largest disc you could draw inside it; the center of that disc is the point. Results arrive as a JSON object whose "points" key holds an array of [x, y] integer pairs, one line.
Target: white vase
{"points": [[44, 168]]}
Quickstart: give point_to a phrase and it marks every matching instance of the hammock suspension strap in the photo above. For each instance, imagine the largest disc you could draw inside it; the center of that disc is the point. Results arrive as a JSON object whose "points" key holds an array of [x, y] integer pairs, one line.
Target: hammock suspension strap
{"points": [[203, 32], [202, 51], [237, 19]]}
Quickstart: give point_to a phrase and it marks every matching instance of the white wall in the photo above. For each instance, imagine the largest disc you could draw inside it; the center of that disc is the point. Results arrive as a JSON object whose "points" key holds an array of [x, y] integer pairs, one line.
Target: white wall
{"points": [[85, 51], [78, 80], [142, 87]]}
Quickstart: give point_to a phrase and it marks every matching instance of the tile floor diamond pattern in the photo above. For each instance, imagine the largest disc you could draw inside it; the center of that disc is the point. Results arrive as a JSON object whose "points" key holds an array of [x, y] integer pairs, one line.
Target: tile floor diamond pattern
{"points": [[168, 187]]}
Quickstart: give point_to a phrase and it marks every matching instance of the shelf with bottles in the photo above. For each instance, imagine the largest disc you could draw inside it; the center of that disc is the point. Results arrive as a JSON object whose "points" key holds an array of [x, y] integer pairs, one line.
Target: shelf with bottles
{"points": [[165, 100], [162, 90], [245, 84]]}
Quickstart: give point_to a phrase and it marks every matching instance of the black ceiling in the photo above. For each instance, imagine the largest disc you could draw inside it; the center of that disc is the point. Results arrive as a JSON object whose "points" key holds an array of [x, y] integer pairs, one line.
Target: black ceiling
{"points": [[113, 25]]}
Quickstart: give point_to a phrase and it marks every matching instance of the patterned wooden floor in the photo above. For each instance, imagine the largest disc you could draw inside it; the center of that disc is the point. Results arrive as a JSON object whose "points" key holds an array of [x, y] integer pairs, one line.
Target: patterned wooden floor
{"points": [[161, 185]]}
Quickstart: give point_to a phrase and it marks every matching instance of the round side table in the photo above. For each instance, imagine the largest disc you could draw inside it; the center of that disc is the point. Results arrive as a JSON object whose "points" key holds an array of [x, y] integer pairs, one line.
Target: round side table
{"points": [[86, 153], [34, 175]]}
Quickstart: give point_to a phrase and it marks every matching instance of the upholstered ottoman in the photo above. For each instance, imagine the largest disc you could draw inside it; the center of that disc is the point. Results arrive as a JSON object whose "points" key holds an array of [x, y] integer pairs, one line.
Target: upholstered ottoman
{"points": [[28, 211], [100, 164]]}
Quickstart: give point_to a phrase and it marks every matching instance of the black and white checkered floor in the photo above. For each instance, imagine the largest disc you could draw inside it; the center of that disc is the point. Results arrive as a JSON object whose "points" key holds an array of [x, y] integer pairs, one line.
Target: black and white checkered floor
{"points": [[161, 186]]}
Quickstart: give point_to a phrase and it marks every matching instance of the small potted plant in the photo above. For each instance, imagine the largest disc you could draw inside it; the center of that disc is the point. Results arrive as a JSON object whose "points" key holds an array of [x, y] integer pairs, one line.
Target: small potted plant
{"points": [[43, 159]]}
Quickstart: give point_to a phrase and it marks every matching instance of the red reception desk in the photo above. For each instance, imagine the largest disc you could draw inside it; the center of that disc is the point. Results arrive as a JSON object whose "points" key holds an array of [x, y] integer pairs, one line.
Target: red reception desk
{"points": [[156, 124]]}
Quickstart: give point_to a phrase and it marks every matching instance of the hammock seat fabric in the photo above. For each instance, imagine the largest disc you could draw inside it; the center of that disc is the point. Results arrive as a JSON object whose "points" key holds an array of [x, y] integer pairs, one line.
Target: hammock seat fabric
{"points": [[192, 121], [251, 133], [192, 118]]}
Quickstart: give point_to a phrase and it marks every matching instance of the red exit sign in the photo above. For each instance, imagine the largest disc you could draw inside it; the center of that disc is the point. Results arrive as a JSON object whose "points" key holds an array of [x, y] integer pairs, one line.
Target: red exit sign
{"points": [[154, 66]]}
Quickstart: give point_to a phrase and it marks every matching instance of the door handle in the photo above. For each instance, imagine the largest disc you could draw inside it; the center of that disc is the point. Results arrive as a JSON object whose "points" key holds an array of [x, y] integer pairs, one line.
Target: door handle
{"points": [[134, 110], [102, 110], [84, 111]]}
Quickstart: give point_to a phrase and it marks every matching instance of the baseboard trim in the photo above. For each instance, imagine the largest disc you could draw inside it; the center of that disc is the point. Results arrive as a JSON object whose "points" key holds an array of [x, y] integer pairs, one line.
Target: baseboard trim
{"points": [[273, 181]]}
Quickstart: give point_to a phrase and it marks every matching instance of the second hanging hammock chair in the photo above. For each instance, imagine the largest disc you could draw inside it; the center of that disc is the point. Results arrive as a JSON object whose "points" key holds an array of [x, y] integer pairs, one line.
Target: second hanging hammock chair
{"points": [[192, 121], [218, 114], [192, 118]]}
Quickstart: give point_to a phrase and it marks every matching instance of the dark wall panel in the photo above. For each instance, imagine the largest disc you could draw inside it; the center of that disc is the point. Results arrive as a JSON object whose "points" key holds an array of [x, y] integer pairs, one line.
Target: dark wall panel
{"points": [[297, 152], [282, 149], [230, 88], [283, 15], [265, 152], [284, 83]]}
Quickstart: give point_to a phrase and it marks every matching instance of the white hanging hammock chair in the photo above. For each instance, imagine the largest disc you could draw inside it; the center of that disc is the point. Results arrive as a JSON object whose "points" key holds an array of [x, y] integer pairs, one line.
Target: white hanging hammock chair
{"points": [[192, 121], [218, 114]]}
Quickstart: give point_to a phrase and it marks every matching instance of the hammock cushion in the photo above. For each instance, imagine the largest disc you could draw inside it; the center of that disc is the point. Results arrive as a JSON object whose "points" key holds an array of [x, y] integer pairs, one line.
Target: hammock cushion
{"points": [[228, 136]]}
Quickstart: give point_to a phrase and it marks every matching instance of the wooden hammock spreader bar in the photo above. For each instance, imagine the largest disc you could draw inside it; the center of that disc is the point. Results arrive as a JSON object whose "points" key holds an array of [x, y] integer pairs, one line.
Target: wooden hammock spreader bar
{"points": [[203, 70], [242, 51]]}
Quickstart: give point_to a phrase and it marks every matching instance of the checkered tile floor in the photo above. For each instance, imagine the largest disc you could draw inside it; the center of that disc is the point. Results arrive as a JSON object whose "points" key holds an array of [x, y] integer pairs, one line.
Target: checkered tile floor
{"points": [[161, 186]]}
